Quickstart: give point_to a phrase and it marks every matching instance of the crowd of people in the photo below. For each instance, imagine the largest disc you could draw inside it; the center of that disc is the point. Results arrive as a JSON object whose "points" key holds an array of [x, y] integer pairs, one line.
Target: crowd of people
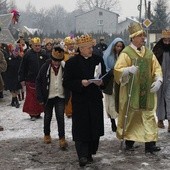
{"points": [[75, 74]]}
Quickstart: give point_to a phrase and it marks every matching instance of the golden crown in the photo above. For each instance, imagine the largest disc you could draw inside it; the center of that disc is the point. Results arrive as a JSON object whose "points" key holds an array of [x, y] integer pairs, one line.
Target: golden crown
{"points": [[84, 39], [135, 28], [69, 40], [36, 40], [166, 34]]}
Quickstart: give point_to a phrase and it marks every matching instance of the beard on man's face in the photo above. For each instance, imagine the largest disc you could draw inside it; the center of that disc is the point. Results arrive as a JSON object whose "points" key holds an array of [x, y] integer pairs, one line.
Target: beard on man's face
{"points": [[166, 47]]}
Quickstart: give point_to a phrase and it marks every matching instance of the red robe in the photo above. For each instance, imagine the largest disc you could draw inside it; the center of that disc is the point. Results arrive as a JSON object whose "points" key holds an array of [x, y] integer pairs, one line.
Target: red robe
{"points": [[31, 104]]}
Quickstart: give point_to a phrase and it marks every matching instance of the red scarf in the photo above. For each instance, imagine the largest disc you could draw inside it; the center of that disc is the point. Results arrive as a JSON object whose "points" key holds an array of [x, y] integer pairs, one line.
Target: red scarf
{"points": [[55, 68]]}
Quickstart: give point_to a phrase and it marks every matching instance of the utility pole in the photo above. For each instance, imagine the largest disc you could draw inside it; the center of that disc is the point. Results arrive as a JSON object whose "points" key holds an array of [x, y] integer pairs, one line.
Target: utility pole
{"points": [[140, 10], [147, 21], [146, 10], [149, 10]]}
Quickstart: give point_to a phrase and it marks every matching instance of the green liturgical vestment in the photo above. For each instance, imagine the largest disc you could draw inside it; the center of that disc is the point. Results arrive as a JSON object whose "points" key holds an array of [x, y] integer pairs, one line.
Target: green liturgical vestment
{"points": [[141, 123]]}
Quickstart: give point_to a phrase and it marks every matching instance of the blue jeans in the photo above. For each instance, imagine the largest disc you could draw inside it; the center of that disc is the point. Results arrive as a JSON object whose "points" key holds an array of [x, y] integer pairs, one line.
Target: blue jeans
{"points": [[58, 104]]}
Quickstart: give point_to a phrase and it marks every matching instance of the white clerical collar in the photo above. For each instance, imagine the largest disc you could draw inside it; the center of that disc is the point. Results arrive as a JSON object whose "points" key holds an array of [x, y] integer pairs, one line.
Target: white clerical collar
{"points": [[134, 47]]}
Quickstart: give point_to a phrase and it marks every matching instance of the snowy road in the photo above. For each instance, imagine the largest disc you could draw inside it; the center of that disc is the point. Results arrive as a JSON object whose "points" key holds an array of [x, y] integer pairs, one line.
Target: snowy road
{"points": [[22, 147]]}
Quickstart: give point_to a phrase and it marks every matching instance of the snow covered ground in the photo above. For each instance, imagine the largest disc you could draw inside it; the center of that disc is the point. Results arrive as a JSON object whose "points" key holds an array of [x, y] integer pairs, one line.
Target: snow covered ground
{"points": [[18, 125], [21, 144]]}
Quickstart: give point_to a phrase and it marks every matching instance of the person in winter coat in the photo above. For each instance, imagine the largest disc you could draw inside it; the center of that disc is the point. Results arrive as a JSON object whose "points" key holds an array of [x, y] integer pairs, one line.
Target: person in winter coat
{"points": [[48, 46], [82, 77], [110, 56], [101, 45], [3, 67], [3, 49], [11, 75], [69, 51], [31, 63], [162, 52], [50, 93]]}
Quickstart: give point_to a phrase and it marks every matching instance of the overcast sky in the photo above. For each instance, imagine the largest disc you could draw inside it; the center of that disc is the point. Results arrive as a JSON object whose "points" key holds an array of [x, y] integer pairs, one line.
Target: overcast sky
{"points": [[127, 7]]}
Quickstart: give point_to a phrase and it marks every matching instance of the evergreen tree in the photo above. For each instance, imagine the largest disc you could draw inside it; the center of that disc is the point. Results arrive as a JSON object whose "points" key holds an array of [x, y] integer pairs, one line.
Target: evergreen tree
{"points": [[160, 18]]}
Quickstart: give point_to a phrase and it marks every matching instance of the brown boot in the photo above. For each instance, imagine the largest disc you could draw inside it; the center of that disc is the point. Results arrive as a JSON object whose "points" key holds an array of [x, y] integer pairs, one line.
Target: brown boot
{"points": [[47, 139], [63, 143], [161, 124], [168, 125]]}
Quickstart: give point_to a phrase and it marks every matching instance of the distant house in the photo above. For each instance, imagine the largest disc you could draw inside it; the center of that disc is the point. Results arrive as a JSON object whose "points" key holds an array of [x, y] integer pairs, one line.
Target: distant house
{"points": [[98, 20], [31, 31], [123, 25], [154, 37]]}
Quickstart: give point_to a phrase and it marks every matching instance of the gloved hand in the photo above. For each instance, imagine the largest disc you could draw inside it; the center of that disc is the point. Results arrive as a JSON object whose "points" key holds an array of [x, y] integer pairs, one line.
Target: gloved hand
{"points": [[132, 69], [155, 86]]}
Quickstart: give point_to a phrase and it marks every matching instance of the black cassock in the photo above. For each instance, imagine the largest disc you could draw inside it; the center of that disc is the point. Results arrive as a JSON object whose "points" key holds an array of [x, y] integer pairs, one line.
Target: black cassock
{"points": [[87, 118]]}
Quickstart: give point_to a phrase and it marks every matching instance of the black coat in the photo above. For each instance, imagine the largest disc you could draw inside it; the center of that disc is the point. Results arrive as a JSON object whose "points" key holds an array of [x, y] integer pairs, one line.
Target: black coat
{"points": [[11, 74], [31, 64], [87, 117], [158, 51], [43, 82]]}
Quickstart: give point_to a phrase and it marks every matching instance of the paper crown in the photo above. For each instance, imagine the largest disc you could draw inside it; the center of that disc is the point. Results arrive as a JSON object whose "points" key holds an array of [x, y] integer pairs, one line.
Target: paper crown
{"points": [[84, 40], [57, 53], [69, 40], [35, 40], [48, 41], [135, 29], [166, 34]]}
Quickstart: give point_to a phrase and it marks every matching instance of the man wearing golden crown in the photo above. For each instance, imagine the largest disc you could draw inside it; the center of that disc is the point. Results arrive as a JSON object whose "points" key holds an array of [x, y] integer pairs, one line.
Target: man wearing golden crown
{"points": [[162, 52], [140, 76], [31, 63], [82, 76]]}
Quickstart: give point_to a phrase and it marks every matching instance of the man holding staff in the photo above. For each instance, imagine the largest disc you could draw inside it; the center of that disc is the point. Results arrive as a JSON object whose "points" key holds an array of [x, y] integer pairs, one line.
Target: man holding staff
{"points": [[139, 74]]}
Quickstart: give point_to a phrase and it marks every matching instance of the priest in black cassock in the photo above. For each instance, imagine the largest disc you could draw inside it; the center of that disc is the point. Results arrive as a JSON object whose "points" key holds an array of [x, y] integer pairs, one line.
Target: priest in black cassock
{"points": [[82, 75]]}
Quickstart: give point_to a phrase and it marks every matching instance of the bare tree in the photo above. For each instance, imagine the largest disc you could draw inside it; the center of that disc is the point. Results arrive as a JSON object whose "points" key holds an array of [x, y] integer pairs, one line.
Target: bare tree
{"points": [[3, 7], [87, 5], [57, 15], [12, 5]]}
